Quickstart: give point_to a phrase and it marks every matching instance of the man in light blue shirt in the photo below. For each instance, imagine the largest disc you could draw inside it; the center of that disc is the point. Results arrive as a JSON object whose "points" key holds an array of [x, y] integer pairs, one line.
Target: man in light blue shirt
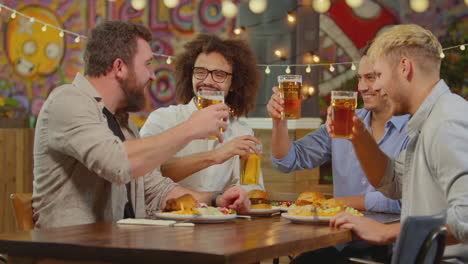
{"points": [[349, 181]]}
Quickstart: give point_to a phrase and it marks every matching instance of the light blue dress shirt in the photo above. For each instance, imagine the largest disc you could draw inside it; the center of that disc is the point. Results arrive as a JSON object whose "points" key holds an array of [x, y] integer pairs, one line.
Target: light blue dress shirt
{"points": [[318, 147]]}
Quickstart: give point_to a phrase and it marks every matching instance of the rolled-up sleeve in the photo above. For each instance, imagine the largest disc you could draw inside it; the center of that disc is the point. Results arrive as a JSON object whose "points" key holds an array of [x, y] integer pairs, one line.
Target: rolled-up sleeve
{"points": [[306, 153], [390, 185], [78, 129], [156, 189]]}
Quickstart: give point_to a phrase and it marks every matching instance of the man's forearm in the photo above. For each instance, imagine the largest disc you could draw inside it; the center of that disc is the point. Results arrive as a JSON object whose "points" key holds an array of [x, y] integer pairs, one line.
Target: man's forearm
{"points": [[179, 168], [145, 154], [280, 141], [373, 161], [357, 202]]}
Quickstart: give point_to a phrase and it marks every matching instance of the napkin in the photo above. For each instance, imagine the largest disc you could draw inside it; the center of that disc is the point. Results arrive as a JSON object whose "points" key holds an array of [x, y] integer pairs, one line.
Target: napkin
{"points": [[131, 221]]}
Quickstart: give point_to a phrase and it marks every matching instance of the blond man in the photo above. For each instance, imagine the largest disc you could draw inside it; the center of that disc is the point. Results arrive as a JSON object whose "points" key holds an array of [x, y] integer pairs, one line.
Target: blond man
{"points": [[432, 174]]}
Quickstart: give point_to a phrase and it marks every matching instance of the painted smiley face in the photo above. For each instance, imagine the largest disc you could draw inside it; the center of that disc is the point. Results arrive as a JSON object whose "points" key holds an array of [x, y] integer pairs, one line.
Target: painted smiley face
{"points": [[32, 51]]}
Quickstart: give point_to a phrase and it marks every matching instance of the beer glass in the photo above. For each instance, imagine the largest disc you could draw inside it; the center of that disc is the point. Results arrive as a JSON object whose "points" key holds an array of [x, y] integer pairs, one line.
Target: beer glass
{"points": [[206, 98], [343, 106], [290, 91], [250, 168]]}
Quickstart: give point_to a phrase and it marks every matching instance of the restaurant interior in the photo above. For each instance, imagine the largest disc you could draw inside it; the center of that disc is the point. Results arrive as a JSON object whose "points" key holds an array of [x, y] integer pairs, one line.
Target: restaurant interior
{"points": [[317, 39]]}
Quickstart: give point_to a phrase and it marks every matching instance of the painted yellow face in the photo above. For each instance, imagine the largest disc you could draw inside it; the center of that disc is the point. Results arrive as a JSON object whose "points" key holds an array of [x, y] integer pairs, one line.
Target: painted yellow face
{"points": [[31, 51]]}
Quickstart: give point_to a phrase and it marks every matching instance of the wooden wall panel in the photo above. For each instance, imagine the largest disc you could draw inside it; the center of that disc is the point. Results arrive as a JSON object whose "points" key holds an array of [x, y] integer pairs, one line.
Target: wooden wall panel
{"points": [[16, 170]]}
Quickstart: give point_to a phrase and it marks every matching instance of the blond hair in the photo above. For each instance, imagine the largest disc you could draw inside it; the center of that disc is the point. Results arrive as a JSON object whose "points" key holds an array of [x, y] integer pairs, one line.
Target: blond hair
{"points": [[411, 41]]}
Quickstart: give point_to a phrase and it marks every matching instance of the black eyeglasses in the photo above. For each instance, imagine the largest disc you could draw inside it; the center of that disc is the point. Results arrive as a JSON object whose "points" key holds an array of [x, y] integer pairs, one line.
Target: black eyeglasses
{"points": [[218, 76]]}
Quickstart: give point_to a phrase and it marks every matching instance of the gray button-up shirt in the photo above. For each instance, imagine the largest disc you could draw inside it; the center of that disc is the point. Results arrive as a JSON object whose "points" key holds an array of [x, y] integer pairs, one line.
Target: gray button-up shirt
{"points": [[80, 166], [432, 174]]}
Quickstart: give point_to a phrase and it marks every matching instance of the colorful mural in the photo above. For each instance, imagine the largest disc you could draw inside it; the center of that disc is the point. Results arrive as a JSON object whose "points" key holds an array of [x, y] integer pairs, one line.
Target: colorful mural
{"points": [[35, 61]]}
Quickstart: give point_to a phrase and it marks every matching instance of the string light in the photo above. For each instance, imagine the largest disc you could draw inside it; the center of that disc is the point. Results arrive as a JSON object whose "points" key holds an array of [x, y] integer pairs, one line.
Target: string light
{"points": [[311, 90], [278, 53], [321, 6], [229, 9], [138, 4], [442, 55], [13, 15], [308, 69], [353, 67], [462, 47], [267, 70], [331, 69], [171, 3], [44, 28], [169, 60], [238, 30], [77, 39], [61, 34], [288, 70], [31, 20], [419, 5], [354, 3], [257, 6]]}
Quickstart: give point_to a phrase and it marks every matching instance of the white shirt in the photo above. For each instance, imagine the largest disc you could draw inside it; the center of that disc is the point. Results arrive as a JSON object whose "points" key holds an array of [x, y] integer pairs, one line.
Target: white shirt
{"points": [[214, 178]]}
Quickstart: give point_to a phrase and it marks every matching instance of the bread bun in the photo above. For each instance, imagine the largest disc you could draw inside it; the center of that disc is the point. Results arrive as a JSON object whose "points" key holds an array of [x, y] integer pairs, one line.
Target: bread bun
{"points": [[314, 198], [184, 203], [259, 199]]}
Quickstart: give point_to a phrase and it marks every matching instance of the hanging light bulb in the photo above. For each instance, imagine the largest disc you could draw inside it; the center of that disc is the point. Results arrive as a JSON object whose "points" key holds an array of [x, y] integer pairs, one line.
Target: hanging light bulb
{"points": [[13, 15], [419, 5], [316, 58], [291, 18], [442, 55], [462, 47], [332, 69], [44, 28], [308, 69], [354, 3], [229, 9], [288, 70], [61, 34], [32, 19], [321, 6], [171, 3], [311, 90], [353, 67], [267, 70], [138, 4], [257, 6], [77, 39], [169, 60]]}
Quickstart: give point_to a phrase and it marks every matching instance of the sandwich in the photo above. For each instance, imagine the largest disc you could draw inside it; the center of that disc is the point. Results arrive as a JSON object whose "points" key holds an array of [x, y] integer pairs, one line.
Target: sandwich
{"points": [[184, 204], [313, 198], [259, 199]]}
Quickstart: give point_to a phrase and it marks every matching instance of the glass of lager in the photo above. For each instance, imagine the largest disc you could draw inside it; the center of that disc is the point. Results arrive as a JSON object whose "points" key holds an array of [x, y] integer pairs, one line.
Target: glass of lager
{"points": [[290, 91], [343, 106], [250, 168], [206, 98]]}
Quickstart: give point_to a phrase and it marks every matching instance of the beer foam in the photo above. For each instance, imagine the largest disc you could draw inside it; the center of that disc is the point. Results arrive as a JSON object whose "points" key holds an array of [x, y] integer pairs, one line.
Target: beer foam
{"points": [[213, 97]]}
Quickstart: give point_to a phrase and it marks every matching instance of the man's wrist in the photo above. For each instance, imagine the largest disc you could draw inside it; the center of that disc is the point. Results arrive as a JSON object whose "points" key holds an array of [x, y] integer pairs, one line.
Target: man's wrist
{"points": [[214, 197]]}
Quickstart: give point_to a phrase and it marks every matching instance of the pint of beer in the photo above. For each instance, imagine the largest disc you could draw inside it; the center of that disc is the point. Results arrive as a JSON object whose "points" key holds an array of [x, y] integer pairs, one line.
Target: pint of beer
{"points": [[206, 98], [343, 106], [250, 168], [290, 91]]}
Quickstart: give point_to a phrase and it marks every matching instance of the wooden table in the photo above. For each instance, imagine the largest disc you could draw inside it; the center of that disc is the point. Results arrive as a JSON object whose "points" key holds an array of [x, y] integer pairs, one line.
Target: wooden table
{"points": [[239, 241]]}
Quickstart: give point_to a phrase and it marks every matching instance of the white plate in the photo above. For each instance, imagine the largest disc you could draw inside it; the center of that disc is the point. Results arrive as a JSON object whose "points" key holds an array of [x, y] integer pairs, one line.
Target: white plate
{"points": [[212, 219], [264, 212], [282, 209], [306, 219]]}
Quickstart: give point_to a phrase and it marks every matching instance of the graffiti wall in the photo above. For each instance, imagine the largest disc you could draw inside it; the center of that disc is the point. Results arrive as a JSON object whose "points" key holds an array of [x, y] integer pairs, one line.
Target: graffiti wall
{"points": [[34, 61]]}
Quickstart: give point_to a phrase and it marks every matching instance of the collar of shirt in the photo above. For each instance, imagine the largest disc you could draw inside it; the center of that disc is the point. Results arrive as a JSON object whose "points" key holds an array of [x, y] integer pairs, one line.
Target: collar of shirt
{"points": [[398, 122], [417, 120]]}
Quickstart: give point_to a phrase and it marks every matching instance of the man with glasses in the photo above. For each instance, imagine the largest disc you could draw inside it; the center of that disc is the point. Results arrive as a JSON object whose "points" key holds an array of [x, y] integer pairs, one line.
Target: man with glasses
{"points": [[212, 64], [350, 184]]}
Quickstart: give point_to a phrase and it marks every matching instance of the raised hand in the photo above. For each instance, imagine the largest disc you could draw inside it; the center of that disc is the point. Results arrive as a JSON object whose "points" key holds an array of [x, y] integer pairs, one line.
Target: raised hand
{"points": [[238, 146], [234, 198], [276, 104], [208, 121]]}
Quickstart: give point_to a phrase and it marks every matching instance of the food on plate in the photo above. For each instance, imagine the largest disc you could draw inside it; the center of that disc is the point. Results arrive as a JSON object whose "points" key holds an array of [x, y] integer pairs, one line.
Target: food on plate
{"points": [[281, 204], [184, 204], [259, 199], [304, 210], [210, 210], [332, 207], [314, 198], [331, 203]]}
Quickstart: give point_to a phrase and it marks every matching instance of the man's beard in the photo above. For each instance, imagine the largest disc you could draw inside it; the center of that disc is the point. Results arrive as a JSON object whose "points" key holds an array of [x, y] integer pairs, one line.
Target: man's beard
{"points": [[134, 94]]}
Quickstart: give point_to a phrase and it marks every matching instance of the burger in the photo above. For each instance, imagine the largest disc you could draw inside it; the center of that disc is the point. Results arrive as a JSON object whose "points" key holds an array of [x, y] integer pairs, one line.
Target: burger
{"points": [[184, 204], [259, 199], [313, 198]]}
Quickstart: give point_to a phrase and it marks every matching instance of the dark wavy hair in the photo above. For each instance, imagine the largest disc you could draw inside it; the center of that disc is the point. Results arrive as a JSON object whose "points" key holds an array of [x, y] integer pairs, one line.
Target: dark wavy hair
{"points": [[111, 40], [245, 75]]}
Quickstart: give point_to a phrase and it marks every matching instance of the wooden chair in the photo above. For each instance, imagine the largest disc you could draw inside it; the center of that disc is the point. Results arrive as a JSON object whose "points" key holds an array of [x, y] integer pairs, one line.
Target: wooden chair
{"points": [[22, 204]]}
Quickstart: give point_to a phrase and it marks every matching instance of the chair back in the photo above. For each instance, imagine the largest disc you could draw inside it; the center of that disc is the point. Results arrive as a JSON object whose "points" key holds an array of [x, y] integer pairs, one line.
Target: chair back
{"points": [[421, 239], [22, 204]]}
